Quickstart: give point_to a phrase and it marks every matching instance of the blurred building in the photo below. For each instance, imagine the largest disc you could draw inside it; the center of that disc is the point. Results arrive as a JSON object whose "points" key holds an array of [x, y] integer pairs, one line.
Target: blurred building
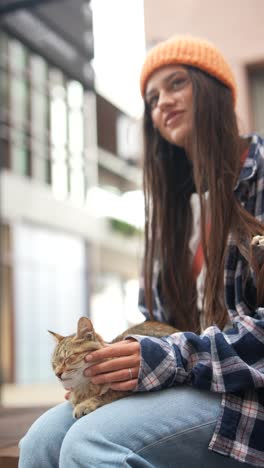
{"points": [[68, 160], [236, 27]]}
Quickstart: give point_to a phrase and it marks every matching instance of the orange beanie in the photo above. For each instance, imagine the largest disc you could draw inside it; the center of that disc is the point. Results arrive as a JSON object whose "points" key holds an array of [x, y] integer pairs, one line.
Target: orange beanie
{"points": [[192, 51]]}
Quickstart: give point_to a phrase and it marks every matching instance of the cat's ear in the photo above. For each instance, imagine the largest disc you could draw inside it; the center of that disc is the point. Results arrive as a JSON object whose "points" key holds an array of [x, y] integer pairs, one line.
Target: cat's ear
{"points": [[56, 335], [84, 328]]}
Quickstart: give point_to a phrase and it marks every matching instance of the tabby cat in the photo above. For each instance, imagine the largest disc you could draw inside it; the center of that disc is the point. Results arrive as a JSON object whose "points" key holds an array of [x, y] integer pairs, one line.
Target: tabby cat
{"points": [[68, 363]]}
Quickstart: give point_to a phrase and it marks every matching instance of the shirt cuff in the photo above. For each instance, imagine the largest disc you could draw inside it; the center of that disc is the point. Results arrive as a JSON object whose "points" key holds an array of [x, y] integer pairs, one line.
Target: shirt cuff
{"points": [[158, 364]]}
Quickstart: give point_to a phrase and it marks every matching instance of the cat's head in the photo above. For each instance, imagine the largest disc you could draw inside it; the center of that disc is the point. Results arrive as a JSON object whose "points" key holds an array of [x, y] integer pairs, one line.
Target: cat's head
{"points": [[68, 357]]}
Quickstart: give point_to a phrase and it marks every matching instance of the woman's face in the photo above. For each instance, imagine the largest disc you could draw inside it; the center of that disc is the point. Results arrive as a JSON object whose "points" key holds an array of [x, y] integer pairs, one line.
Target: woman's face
{"points": [[169, 98]]}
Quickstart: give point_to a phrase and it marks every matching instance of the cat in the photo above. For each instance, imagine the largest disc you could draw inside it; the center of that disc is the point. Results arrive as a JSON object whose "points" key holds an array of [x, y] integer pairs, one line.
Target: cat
{"points": [[68, 363]]}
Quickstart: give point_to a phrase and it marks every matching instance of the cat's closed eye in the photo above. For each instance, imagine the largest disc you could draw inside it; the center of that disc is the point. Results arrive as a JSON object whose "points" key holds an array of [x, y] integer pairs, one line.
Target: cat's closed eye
{"points": [[73, 358], [70, 359]]}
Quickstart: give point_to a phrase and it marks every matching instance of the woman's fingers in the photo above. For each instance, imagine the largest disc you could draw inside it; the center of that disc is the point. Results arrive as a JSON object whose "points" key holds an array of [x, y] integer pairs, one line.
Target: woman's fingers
{"points": [[125, 374], [117, 364], [123, 355], [127, 386], [112, 365], [122, 348]]}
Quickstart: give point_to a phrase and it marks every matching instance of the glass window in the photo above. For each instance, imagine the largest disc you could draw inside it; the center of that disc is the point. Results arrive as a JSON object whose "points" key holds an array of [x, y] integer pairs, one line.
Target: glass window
{"points": [[41, 169], [39, 115], [59, 174], [40, 162], [76, 132], [128, 133], [38, 71], [19, 152], [58, 109], [50, 109], [4, 92], [56, 79], [3, 50], [17, 56], [19, 159], [75, 95], [19, 94], [58, 121]]}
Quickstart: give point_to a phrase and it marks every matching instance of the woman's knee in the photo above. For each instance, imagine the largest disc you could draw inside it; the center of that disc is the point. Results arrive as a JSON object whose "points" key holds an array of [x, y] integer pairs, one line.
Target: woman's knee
{"points": [[41, 444], [78, 443], [32, 448], [35, 446], [92, 441]]}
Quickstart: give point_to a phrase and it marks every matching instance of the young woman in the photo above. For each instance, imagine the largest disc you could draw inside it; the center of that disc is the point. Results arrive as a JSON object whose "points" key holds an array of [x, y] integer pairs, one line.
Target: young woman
{"points": [[202, 387]]}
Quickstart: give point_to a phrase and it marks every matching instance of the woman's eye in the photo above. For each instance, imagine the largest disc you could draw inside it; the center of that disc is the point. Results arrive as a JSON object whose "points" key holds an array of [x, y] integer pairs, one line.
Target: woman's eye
{"points": [[179, 82], [152, 102]]}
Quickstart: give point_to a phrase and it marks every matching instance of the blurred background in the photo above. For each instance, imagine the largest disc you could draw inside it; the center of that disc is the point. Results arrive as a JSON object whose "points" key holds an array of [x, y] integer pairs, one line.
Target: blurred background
{"points": [[71, 204]]}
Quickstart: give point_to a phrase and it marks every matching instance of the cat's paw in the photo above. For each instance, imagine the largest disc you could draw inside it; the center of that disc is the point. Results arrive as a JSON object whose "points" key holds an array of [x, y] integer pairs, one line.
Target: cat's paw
{"points": [[86, 407], [257, 250], [81, 410]]}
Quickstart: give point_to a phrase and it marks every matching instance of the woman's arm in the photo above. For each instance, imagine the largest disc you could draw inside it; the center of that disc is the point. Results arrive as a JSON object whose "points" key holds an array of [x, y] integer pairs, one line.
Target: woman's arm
{"points": [[216, 361]]}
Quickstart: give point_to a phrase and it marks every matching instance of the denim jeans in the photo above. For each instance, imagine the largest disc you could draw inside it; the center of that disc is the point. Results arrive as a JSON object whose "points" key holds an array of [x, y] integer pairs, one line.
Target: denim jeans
{"points": [[166, 429]]}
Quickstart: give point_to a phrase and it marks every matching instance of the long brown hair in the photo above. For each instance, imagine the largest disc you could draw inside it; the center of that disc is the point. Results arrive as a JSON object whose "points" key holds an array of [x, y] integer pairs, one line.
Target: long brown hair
{"points": [[169, 180]]}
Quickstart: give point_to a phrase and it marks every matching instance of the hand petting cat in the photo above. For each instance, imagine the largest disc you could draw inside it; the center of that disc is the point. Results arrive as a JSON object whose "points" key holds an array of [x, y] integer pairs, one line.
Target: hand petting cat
{"points": [[122, 368], [95, 373]]}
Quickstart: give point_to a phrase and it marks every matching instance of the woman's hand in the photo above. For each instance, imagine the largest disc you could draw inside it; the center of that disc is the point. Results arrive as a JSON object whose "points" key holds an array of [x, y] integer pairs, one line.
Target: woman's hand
{"points": [[121, 368]]}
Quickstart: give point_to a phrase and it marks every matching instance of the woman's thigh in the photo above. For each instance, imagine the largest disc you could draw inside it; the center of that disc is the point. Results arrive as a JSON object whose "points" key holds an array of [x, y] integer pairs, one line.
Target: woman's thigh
{"points": [[41, 445], [171, 428]]}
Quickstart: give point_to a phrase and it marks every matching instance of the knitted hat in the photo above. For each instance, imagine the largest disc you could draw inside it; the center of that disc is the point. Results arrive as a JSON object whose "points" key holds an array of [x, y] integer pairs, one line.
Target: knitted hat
{"points": [[192, 51]]}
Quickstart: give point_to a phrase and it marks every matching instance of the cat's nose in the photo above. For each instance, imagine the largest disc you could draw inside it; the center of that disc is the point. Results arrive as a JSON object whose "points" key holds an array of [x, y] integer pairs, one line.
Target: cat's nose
{"points": [[59, 374]]}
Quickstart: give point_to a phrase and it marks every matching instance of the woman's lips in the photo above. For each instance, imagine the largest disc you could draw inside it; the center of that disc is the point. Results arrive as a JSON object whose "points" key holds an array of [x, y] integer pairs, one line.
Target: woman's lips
{"points": [[173, 117]]}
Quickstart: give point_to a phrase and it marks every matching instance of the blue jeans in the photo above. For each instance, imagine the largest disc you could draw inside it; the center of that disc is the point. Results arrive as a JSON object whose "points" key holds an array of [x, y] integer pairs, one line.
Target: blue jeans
{"points": [[166, 429]]}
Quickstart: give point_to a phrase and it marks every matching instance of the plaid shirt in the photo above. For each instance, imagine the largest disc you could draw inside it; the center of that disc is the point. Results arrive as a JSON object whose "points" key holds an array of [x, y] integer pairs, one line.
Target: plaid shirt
{"points": [[230, 362]]}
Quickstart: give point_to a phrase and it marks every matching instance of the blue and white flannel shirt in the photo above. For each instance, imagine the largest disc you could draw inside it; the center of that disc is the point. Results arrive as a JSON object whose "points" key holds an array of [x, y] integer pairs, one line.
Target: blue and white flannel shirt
{"points": [[230, 362]]}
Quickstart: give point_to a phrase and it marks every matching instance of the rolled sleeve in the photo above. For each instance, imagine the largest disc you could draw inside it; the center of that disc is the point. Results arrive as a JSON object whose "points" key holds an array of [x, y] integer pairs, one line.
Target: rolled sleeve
{"points": [[158, 364], [216, 361]]}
